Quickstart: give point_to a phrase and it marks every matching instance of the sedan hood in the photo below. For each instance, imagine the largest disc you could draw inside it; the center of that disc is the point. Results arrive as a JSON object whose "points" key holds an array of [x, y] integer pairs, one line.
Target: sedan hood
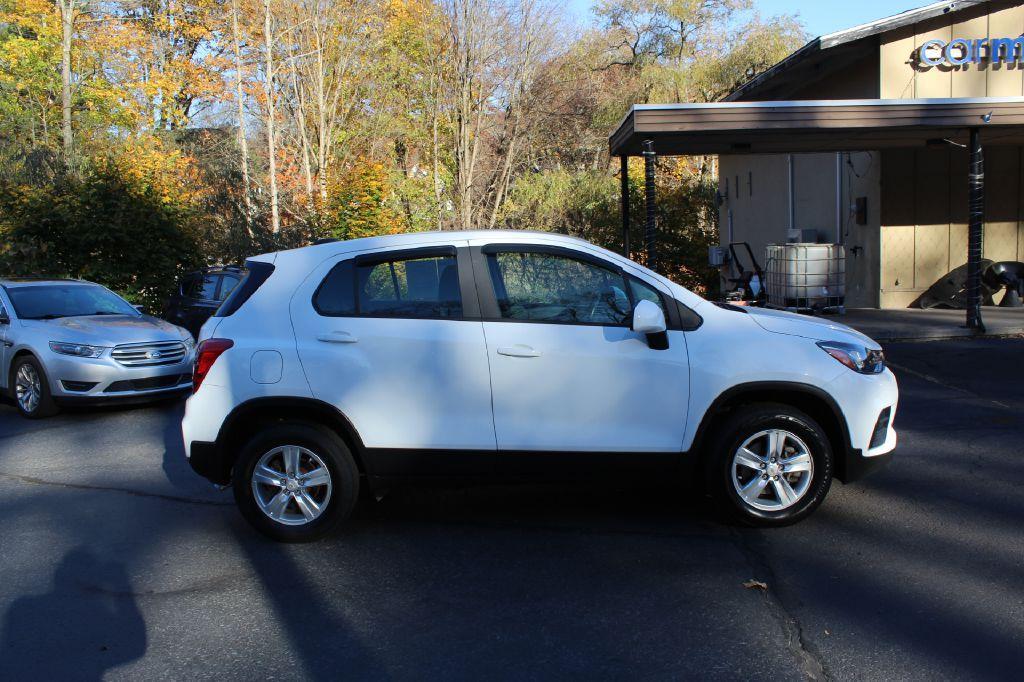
{"points": [[817, 328], [108, 330]]}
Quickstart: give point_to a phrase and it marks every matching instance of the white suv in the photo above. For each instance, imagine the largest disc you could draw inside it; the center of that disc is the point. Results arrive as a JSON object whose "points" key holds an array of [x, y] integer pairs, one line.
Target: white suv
{"points": [[493, 354]]}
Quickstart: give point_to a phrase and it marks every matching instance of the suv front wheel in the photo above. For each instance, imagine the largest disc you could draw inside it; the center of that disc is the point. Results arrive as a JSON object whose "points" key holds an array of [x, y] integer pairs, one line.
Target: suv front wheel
{"points": [[771, 465], [296, 482]]}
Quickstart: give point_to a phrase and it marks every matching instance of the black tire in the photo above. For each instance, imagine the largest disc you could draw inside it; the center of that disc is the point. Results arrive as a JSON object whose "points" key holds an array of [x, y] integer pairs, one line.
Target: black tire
{"points": [[326, 445], [45, 407], [748, 421]]}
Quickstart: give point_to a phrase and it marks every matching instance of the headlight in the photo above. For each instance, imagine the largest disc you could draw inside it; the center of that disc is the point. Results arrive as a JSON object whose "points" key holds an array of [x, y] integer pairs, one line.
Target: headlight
{"points": [[189, 342], [77, 349], [858, 358]]}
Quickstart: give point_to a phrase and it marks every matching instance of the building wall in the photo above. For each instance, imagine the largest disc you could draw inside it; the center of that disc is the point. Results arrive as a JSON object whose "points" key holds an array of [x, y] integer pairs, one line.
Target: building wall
{"points": [[924, 191], [763, 217]]}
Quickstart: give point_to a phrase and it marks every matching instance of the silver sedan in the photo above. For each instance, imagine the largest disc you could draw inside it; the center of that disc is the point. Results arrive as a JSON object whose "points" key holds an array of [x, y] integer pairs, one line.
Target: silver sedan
{"points": [[69, 341]]}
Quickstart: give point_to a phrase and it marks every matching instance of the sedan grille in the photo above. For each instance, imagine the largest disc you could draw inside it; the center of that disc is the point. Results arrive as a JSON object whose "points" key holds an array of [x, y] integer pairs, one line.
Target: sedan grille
{"points": [[149, 354]]}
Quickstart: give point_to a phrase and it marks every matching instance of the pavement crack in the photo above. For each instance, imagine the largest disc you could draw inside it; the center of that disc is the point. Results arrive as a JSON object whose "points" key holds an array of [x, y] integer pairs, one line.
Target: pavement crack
{"points": [[803, 652], [30, 480]]}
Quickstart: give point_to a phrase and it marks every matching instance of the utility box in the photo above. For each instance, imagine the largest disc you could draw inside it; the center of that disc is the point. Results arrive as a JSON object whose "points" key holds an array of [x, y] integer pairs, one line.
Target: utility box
{"points": [[717, 256], [806, 277]]}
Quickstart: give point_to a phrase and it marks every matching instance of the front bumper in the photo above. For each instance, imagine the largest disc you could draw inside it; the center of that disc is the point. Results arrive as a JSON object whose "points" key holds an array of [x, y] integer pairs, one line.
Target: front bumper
{"points": [[861, 400], [103, 379]]}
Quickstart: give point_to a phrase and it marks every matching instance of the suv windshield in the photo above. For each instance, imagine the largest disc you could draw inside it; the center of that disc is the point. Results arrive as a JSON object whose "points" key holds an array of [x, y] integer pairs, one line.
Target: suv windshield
{"points": [[50, 301]]}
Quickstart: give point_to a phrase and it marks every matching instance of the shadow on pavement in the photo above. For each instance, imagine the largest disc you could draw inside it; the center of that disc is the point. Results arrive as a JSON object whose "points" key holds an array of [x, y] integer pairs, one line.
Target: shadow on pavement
{"points": [[85, 625]]}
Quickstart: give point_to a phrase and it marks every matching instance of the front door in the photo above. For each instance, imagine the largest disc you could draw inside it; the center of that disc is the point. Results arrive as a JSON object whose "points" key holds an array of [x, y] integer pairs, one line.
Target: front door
{"points": [[567, 372], [384, 338]]}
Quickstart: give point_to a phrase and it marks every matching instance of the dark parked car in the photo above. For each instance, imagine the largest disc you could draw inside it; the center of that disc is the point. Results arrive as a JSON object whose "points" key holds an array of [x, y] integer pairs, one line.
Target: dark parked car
{"points": [[200, 294]]}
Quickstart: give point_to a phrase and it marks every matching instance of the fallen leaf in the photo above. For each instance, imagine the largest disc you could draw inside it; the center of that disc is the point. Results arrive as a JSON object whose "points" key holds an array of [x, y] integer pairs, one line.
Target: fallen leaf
{"points": [[755, 585]]}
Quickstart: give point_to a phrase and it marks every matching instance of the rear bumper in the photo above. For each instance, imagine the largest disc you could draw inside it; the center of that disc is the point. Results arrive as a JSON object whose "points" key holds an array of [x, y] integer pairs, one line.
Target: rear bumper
{"points": [[207, 460]]}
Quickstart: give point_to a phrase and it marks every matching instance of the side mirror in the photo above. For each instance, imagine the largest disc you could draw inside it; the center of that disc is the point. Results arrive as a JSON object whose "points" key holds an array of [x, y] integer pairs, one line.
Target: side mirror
{"points": [[4, 319], [649, 319], [141, 308]]}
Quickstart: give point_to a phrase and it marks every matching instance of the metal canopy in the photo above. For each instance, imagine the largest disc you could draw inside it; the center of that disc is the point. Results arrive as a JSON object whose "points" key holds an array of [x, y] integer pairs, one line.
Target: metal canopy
{"points": [[816, 126], [823, 126]]}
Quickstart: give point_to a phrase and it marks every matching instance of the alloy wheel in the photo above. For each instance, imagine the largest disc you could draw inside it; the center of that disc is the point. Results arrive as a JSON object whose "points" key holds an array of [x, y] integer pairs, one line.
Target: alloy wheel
{"points": [[28, 388], [291, 485], [772, 470]]}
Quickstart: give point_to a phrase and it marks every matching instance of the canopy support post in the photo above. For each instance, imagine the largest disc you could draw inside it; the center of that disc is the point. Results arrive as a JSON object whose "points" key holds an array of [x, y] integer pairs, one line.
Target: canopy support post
{"points": [[624, 180], [651, 226], [975, 229]]}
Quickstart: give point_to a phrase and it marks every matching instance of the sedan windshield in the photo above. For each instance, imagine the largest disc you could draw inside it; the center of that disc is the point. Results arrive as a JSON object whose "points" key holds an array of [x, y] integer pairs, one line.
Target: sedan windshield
{"points": [[50, 301]]}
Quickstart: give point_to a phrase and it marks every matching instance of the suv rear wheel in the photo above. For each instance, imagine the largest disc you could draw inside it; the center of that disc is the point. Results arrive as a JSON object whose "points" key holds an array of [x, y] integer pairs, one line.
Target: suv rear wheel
{"points": [[771, 465], [296, 482]]}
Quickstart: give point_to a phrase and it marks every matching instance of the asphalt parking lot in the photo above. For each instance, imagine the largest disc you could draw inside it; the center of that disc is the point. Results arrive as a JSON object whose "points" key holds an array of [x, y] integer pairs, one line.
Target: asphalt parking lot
{"points": [[118, 562]]}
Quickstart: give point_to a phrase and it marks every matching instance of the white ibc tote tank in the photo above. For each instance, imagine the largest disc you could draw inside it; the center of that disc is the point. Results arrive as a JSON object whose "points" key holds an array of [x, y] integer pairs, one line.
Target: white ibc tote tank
{"points": [[806, 276]]}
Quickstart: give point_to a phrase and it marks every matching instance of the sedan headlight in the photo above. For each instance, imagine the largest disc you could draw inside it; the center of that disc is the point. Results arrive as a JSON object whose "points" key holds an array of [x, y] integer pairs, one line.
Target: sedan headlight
{"points": [[858, 358], [79, 350]]}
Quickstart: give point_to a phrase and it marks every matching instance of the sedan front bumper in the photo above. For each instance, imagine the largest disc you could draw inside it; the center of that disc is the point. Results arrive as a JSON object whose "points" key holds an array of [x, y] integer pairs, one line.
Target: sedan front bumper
{"points": [[74, 379]]}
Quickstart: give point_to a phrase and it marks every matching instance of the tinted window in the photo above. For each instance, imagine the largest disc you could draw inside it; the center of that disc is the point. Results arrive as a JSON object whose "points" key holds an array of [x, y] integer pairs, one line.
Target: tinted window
{"points": [[555, 288], [415, 287], [67, 300], [203, 287], [228, 285], [336, 295]]}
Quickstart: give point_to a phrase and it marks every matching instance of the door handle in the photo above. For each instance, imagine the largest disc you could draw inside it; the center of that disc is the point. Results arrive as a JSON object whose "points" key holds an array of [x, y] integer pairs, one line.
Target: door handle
{"points": [[518, 351], [337, 337]]}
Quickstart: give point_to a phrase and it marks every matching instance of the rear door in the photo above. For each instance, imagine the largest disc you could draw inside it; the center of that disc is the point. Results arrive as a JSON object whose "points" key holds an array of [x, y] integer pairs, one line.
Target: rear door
{"points": [[387, 337], [6, 341], [567, 372]]}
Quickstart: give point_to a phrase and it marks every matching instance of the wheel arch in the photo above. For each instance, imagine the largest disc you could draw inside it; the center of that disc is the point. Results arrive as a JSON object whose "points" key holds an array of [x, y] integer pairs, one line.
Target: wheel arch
{"points": [[8, 370], [814, 401], [241, 423]]}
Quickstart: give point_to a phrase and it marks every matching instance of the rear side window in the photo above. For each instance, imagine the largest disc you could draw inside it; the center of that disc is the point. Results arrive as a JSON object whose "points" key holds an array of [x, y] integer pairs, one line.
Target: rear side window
{"points": [[203, 287], [336, 296], [417, 287], [227, 285]]}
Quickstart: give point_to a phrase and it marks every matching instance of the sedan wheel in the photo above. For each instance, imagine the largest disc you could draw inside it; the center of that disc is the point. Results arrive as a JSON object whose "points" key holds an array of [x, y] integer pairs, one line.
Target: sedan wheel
{"points": [[291, 485], [772, 470], [28, 388]]}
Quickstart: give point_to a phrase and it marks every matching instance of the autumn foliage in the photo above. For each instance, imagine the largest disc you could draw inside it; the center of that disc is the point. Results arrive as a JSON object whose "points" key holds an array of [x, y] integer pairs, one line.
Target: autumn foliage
{"points": [[151, 137]]}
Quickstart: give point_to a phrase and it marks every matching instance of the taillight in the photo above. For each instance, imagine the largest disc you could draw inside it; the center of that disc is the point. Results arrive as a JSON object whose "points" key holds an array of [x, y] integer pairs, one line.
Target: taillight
{"points": [[206, 354]]}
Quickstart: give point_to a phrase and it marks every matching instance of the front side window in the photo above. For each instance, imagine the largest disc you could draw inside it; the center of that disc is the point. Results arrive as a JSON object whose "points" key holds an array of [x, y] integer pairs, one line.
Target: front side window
{"points": [[545, 287], [642, 292], [419, 287], [50, 301]]}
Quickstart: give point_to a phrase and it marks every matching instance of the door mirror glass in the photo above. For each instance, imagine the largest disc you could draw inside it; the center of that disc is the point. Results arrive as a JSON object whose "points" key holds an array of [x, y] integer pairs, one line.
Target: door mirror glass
{"points": [[648, 318], [4, 319]]}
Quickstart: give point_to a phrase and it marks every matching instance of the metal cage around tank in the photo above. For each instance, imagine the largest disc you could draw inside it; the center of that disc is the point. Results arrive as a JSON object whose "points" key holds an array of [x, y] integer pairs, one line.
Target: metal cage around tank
{"points": [[806, 277]]}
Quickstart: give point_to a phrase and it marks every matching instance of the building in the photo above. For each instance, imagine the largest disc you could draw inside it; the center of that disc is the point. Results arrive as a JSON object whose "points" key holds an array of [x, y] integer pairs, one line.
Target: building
{"points": [[862, 137]]}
